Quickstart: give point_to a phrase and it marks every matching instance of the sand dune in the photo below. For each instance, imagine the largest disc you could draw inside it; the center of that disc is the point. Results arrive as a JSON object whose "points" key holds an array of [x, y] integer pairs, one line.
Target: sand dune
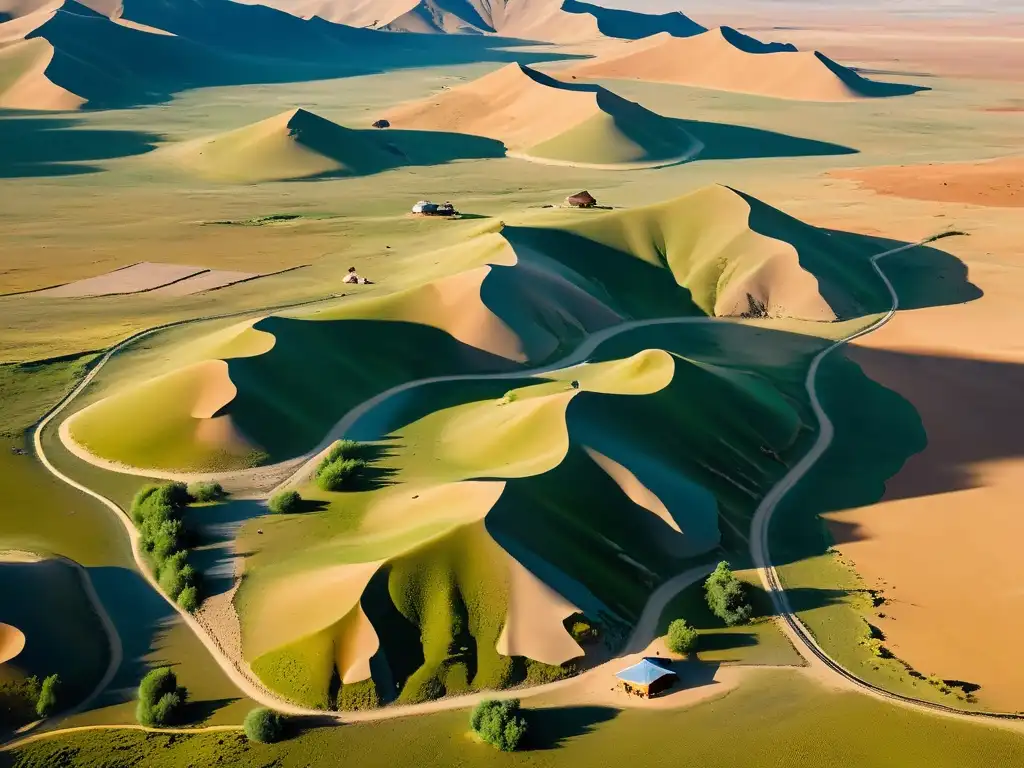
{"points": [[998, 183], [540, 118], [12, 643], [726, 60], [293, 145]]}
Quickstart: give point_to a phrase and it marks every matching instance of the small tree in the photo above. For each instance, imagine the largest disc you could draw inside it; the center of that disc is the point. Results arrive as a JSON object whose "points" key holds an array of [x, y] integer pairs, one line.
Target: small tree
{"points": [[46, 704], [263, 725], [161, 699], [499, 723], [681, 637], [727, 597], [204, 492], [285, 502], [339, 475], [189, 599]]}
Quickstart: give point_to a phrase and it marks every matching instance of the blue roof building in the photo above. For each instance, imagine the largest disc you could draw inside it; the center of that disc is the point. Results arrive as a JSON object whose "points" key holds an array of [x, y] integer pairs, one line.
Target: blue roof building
{"points": [[646, 678]]}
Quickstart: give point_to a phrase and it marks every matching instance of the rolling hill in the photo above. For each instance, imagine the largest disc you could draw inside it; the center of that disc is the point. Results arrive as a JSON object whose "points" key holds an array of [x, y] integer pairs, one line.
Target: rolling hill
{"points": [[542, 20], [543, 119], [727, 60]]}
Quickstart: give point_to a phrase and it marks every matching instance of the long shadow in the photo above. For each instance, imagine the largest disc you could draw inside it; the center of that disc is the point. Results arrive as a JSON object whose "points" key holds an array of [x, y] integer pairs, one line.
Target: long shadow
{"points": [[220, 43], [865, 87], [550, 728], [735, 142], [216, 527], [57, 146], [632, 25]]}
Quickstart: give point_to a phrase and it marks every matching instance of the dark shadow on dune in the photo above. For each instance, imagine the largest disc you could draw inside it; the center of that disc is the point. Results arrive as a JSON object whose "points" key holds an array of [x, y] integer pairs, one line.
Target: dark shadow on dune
{"points": [[869, 88], [550, 728], [735, 142], [215, 529], [631, 25], [415, 148], [749, 44], [221, 43], [57, 146]]}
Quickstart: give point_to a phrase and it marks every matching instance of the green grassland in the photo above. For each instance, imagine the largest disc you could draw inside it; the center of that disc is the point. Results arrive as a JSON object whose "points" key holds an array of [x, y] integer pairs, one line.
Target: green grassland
{"points": [[63, 635], [776, 719]]}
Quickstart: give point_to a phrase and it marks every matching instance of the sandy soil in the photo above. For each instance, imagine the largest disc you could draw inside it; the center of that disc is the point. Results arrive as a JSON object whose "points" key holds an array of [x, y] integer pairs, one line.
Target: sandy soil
{"points": [[533, 625], [994, 182], [12, 642], [944, 542], [144, 276], [205, 281]]}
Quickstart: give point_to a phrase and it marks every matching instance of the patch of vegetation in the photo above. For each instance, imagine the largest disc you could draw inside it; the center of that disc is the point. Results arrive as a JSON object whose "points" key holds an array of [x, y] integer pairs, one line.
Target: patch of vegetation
{"points": [[285, 502], [28, 390], [161, 699], [264, 726], [355, 697], [18, 701], [48, 700], [726, 596], [681, 637], [582, 629], [499, 723], [204, 492], [272, 218], [158, 512], [342, 466]]}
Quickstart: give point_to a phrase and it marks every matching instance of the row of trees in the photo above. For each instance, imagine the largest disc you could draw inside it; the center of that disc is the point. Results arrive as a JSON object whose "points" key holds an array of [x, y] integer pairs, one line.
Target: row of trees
{"points": [[158, 512]]}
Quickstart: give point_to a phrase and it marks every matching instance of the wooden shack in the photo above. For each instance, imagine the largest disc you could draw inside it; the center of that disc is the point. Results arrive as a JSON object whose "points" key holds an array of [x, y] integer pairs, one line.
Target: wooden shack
{"points": [[581, 200], [646, 679]]}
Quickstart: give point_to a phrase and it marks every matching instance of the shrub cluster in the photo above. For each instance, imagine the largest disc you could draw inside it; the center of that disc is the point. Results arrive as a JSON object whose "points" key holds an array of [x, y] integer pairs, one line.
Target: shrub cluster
{"points": [[157, 511], [161, 699], [341, 467], [18, 700], [583, 631], [46, 703], [499, 723], [264, 725], [681, 637], [205, 492], [727, 596], [285, 502]]}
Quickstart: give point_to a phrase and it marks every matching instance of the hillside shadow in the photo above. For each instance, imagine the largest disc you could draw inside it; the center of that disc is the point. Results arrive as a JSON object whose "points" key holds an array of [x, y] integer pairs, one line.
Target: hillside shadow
{"points": [[56, 146], [863, 86], [551, 727], [723, 141], [215, 528], [632, 25]]}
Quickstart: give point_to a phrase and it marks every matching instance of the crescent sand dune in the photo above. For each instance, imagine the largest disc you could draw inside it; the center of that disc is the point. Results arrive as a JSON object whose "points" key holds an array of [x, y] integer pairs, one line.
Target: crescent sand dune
{"points": [[292, 145], [726, 60], [997, 183], [540, 118], [12, 643]]}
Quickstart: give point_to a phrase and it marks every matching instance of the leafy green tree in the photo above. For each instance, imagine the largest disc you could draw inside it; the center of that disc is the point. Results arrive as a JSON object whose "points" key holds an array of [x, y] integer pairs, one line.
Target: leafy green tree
{"points": [[339, 475], [681, 637], [189, 599], [726, 596], [263, 725], [499, 723], [46, 704], [161, 699], [285, 502]]}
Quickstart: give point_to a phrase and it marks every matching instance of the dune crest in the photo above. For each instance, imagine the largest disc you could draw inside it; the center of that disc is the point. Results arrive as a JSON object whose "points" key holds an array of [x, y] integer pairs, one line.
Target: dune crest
{"points": [[727, 60], [540, 118]]}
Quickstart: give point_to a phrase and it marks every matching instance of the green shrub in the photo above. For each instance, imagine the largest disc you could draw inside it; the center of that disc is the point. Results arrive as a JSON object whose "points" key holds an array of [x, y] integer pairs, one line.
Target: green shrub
{"points": [[161, 699], [583, 631], [681, 637], [46, 704], [342, 449], [285, 502], [174, 495], [499, 723], [339, 475], [188, 599], [264, 725], [539, 673], [727, 597], [175, 577], [204, 492], [359, 696]]}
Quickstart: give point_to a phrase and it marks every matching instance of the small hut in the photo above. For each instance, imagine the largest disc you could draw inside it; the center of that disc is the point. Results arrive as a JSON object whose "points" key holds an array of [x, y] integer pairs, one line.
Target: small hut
{"points": [[382, 124], [646, 679], [581, 200]]}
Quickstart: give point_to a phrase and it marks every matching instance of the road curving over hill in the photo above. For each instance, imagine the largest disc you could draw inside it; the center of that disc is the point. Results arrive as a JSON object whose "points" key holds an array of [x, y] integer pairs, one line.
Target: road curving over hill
{"points": [[645, 629]]}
